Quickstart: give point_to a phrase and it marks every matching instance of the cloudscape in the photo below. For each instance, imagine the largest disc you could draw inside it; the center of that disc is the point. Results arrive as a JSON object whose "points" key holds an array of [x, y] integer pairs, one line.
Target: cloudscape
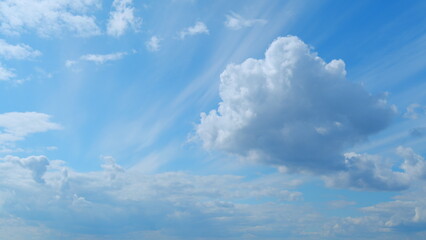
{"points": [[211, 120]]}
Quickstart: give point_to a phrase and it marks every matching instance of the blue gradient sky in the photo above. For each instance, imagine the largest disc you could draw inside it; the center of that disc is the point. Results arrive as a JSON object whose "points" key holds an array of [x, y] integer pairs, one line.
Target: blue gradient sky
{"points": [[107, 129]]}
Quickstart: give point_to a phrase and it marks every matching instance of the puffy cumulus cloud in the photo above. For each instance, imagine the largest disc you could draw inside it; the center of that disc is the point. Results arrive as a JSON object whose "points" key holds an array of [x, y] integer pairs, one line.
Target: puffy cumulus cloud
{"points": [[198, 28], [122, 18], [48, 17], [236, 22], [372, 172], [36, 164], [94, 204], [292, 109], [15, 126], [367, 172], [100, 58], [19, 51]]}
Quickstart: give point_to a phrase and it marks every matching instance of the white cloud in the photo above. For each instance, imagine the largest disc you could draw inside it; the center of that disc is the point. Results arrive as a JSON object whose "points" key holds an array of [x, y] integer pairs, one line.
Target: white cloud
{"points": [[36, 164], [6, 74], [48, 17], [292, 109], [153, 44], [122, 18], [414, 111], [20, 51], [198, 28], [414, 165], [370, 172], [111, 167], [70, 63], [403, 217], [367, 172], [236, 22], [15, 126], [102, 58], [175, 203], [126, 200]]}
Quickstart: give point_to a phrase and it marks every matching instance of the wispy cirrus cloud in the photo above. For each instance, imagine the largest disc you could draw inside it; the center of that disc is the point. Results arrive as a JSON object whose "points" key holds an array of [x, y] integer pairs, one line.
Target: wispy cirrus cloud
{"points": [[236, 22], [102, 58], [96, 58]]}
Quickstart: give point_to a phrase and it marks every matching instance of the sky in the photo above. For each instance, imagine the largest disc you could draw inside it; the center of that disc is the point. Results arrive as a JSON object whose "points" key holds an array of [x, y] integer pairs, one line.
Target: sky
{"points": [[191, 119]]}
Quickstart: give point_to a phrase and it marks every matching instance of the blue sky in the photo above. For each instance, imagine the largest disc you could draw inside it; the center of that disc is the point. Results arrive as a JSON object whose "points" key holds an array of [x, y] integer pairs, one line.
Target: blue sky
{"points": [[190, 119]]}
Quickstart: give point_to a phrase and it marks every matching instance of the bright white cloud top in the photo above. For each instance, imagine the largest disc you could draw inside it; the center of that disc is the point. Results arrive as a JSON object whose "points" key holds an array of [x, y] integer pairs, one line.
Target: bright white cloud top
{"points": [[312, 120], [122, 18], [292, 109]]}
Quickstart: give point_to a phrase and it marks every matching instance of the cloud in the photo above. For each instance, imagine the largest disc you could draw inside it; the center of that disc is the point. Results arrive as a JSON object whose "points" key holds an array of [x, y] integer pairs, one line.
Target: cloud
{"points": [[6, 74], [36, 164], [48, 17], [111, 167], [124, 203], [236, 22], [20, 51], [101, 58], [15, 126], [198, 28], [372, 172], [292, 110], [404, 216], [414, 165], [153, 44], [414, 111], [172, 203], [122, 18], [70, 63], [367, 172]]}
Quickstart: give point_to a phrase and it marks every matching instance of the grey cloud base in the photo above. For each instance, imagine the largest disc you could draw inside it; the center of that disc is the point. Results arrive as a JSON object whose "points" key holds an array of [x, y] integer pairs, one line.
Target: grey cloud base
{"points": [[292, 109]]}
